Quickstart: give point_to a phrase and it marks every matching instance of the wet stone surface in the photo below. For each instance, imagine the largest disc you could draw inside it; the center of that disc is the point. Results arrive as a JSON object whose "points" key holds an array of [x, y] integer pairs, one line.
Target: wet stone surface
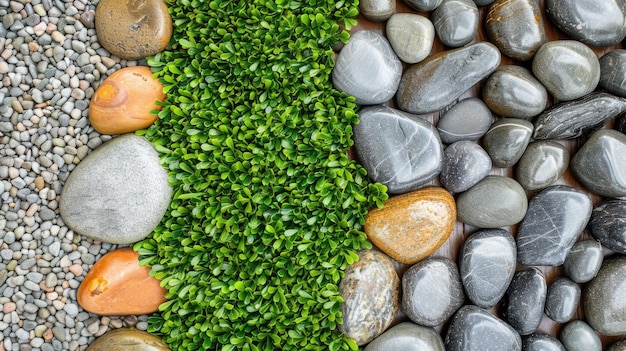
{"points": [[523, 303], [608, 224], [411, 36], [613, 72], [465, 163], [584, 260], [409, 337], [542, 342], [603, 298], [506, 141], [579, 336], [562, 299], [468, 119], [456, 22], [542, 164], [513, 91], [475, 329]]}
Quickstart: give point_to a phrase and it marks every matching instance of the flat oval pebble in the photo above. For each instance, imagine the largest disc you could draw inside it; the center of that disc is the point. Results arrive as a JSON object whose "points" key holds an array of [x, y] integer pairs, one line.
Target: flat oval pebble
{"points": [[506, 141], [556, 216], [600, 164], [118, 193], [523, 303], [411, 36], [423, 5], [608, 224], [512, 91], [370, 290], [465, 163], [562, 299], [596, 23], [125, 339], [468, 119], [584, 260], [516, 27], [578, 336], [377, 10], [487, 263], [367, 68], [437, 81], [613, 72], [475, 329], [496, 201], [411, 226], [398, 150], [567, 68], [432, 291], [541, 165], [604, 304], [407, 336], [133, 30], [618, 346], [542, 342], [456, 22]]}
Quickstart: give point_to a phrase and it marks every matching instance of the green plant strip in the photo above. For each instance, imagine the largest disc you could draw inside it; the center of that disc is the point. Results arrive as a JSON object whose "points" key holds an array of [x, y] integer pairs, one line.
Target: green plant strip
{"points": [[267, 209]]}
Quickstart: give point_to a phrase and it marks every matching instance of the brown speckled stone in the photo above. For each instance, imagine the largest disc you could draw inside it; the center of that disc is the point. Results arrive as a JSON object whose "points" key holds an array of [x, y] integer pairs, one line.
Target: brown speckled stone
{"points": [[128, 340]]}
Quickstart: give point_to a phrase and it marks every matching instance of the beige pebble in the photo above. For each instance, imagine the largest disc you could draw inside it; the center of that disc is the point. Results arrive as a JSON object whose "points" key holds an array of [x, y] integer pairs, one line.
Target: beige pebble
{"points": [[76, 269], [39, 183], [47, 335], [32, 209], [9, 307], [58, 37]]}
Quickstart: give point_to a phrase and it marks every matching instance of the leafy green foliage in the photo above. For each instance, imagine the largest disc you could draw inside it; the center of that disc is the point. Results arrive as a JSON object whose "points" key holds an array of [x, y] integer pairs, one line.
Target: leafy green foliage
{"points": [[267, 208]]}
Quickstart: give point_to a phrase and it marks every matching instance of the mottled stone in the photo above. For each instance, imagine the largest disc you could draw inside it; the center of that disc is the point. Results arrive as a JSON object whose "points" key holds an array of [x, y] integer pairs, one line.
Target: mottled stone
{"points": [[432, 291], [367, 68], [370, 291], [468, 119], [397, 149], [125, 339], [423, 5], [407, 336], [608, 224], [411, 36], [437, 81], [496, 201], [618, 346], [542, 164], [523, 303], [131, 29], [411, 226], [456, 22], [465, 163], [578, 336], [516, 27], [599, 164], [118, 193], [512, 91], [506, 141], [377, 10], [487, 263], [613, 72], [619, 123], [604, 298], [542, 342], [575, 118], [596, 23], [562, 299], [556, 216], [567, 68], [475, 329], [584, 260]]}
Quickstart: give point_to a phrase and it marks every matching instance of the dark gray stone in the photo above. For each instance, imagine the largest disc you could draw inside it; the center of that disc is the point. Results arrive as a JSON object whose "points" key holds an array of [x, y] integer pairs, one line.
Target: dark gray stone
{"points": [[600, 164], [506, 141], [465, 163], [483, 2], [475, 329], [423, 5], [556, 216], [468, 119], [407, 336], [572, 119], [584, 260], [436, 280], [398, 150], [562, 299], [512, 91], [437, 81], [541, 165], [618, 346], [377, 10], [608, 224], [604, 298], [496, 201], [578, 336], [542, 342], [411, 36], [456, 22], [523, 303], [596, 23], [487, 264], [620, 123], [613, 72]]}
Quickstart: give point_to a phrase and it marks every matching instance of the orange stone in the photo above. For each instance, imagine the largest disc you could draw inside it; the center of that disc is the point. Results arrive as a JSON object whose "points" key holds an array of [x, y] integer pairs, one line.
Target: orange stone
{"points": [[123, 102], [118, 285], [412, 226]]}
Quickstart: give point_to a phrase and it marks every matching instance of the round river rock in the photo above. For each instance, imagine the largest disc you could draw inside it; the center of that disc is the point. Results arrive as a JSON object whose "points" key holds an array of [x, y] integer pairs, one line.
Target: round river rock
{"points": [[604, 298]]}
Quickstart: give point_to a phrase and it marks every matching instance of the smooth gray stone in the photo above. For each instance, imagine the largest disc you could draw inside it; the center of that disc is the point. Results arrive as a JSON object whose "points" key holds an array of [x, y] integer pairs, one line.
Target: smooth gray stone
{"points": [[578, 336], [604, 298], [505, 21], [613, 72], [562, 299], [436, 280], [370, 290], [407, 336], [456, 22], [475, 329], [565, 82], [440, 79], [608, 224], [423, 5], [542, 164], [411, 36], [496, 201], [367, 68], [465, 163], [118, 193], [483, 2], [487, 263], [584, 260], [618, 346], [523, 303], [398, 150], [556, 216], [600, 164], [468, 119], [542, 342], [377, 10], [572, 119], [593, 22], [513, 91], [506, 141]]}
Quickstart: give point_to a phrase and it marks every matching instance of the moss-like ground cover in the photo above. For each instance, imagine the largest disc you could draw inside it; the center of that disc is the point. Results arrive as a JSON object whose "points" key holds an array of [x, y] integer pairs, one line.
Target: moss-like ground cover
{"points": [[267, 208]]}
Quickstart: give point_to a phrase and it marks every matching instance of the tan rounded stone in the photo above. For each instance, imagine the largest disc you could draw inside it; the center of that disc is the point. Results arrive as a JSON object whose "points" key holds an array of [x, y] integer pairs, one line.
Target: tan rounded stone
{"points": [[128, 340]]}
